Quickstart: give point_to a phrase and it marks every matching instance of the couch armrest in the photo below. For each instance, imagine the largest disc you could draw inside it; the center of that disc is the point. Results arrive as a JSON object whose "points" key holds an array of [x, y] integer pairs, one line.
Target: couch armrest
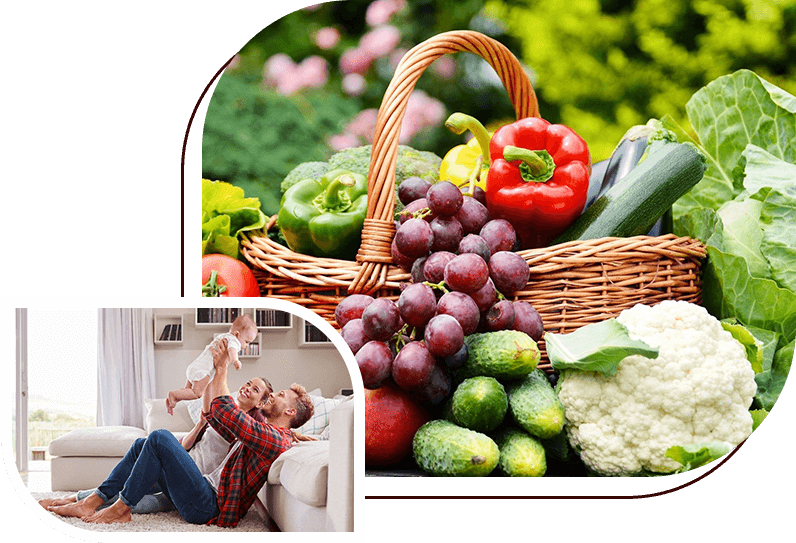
{"points": [[340, 498]]}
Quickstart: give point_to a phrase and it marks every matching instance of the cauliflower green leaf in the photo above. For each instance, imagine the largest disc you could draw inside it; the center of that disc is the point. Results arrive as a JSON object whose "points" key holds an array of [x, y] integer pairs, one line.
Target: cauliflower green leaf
{"points": [[598, 347], [695, 455]]}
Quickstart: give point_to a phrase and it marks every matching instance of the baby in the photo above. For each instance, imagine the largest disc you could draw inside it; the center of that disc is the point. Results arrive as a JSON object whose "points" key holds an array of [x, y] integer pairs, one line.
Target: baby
{"points": [[201, 371]]}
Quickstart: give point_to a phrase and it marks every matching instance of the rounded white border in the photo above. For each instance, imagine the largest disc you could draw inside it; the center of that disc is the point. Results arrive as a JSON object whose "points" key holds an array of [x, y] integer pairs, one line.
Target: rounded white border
{"points": [[12, 482]]}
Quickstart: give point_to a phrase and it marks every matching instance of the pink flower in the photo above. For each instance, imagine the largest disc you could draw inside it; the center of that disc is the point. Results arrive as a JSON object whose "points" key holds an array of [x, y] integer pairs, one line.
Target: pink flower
{"points": [[343, 141], [276, 68], [444, 67], [381, 11], [422, 111], [327, 37], [364, 124], [313, 72], [355, 61], [381, 40], [354, 84], [234, 63], [396, 56]]}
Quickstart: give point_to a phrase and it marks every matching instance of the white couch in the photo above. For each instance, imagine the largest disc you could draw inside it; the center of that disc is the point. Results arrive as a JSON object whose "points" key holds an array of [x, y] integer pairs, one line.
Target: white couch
{"points": [[309, 487]]}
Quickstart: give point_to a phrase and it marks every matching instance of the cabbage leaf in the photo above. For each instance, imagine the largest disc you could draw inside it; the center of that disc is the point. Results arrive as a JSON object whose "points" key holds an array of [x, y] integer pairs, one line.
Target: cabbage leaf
{"points": [[744, 211]]}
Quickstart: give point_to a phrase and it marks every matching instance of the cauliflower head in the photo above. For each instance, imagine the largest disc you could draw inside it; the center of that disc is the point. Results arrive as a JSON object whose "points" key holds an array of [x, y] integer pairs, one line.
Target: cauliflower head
{"points": [[698, 389]]}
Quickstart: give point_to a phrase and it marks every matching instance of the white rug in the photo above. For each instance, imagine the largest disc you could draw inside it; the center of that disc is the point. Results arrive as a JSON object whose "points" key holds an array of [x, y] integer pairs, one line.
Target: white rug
{"points": [[156, 522]]}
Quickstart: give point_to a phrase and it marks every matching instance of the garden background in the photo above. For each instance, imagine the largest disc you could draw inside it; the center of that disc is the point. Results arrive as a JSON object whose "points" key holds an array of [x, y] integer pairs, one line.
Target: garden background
{"points": [[310, 83]]}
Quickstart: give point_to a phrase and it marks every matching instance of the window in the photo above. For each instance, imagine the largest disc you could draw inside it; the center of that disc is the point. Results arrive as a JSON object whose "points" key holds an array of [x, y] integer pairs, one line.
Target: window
{"points": [[61, 378]]}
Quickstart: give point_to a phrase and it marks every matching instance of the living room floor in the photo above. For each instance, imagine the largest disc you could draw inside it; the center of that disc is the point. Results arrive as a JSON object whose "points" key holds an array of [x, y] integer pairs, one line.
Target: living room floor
{"points": [[37, 478]]}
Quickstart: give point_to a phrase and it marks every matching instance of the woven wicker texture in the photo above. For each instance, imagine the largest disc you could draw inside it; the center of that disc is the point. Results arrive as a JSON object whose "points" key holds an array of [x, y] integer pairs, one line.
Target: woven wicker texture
{"points": [[570, 284]]}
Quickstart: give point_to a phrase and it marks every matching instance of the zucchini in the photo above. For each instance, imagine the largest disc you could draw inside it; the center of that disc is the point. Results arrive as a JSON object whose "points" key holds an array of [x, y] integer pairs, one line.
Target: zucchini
{"points": [[636, 202]]}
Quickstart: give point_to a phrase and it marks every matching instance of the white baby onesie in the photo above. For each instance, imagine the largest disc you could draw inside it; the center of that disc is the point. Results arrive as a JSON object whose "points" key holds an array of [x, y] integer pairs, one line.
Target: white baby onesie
{"points": [[203, 365]]}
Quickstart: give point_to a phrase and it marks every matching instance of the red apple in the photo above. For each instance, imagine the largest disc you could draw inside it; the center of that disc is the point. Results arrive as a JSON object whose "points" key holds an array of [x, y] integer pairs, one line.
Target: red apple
{"points": [[391, 419]]}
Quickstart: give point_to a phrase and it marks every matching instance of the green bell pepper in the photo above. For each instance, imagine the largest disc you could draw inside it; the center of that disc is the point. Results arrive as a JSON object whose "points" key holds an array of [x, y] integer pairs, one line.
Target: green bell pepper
{"points": [[324, 217]]}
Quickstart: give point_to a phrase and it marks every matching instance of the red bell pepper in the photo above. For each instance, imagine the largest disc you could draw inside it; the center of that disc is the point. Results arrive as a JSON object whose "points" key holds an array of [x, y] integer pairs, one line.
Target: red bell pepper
{"points": [[538, 180]]}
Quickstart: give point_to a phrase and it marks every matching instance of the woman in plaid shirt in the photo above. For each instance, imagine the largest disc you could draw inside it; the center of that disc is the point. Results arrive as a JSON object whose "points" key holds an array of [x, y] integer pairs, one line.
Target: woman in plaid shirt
{"points": [[222, 497]]}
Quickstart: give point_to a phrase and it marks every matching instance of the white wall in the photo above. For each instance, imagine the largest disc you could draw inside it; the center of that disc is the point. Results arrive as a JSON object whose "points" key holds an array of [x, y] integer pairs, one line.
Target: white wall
{"points": [[281, 360]]}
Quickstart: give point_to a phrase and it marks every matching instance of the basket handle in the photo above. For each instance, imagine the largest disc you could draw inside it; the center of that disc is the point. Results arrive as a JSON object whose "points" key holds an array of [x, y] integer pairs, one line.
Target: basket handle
{"points": [[375, 251]]}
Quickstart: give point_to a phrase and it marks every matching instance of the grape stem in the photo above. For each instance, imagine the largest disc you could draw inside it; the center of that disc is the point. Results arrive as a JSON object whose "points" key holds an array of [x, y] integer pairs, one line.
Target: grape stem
{"points": [[419, 214], [441, 286]]}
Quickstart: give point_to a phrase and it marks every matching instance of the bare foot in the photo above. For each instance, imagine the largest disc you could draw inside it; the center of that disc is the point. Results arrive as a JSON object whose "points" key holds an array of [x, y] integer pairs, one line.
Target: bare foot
{"points": [[82, 508], [237, 364], [118, 512], [57, 501], [171, 401]]}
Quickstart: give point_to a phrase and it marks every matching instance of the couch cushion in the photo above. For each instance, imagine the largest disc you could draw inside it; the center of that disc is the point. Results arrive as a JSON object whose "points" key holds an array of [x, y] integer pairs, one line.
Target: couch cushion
{"points": [[99, 441], [157, 417], [303, 470]]}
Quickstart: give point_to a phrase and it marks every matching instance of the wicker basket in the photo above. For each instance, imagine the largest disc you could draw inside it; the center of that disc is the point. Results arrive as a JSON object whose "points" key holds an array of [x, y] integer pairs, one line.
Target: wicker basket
{"points": [[570, 285]]}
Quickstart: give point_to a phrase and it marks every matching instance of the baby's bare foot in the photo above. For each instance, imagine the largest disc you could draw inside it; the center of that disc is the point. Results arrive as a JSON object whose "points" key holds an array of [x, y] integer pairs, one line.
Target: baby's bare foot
{"points": [[57, 501], [118, 512]]}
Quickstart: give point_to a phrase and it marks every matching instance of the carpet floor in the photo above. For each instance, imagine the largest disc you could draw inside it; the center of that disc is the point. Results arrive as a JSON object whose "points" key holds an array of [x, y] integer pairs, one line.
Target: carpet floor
{"points": [[170, 521]]}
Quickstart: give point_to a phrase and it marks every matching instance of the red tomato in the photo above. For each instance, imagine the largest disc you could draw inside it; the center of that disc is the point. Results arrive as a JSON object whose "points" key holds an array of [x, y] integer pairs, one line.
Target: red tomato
{"points": [[232, 279]]}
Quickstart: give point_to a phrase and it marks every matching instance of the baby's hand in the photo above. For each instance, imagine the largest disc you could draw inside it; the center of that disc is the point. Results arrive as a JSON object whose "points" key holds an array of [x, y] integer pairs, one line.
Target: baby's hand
{"points": [[237, 364]]}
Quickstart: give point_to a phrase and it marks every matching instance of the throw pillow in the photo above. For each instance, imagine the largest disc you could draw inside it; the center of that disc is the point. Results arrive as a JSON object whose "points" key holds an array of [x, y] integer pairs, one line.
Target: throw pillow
{"points": [[320, 418], [194, 409]]}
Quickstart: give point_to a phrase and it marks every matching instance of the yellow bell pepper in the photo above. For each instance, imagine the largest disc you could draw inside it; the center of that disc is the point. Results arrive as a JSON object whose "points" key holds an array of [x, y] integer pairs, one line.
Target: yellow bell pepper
{"points": [[458, 164]]}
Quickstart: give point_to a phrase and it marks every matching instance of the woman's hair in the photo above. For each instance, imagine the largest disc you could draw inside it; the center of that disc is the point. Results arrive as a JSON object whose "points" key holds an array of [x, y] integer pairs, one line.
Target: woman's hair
{"points": [[255, 412], [304, 406]]}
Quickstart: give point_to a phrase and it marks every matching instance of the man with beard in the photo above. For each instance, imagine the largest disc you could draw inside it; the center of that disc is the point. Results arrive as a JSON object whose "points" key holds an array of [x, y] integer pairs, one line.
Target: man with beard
{"points": [[224, 496]]}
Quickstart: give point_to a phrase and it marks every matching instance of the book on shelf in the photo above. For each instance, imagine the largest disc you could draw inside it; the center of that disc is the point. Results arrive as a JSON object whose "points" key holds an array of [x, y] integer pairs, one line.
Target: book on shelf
{"points": [[313, 335], [217, 315], [272, 318], [171, 332]]}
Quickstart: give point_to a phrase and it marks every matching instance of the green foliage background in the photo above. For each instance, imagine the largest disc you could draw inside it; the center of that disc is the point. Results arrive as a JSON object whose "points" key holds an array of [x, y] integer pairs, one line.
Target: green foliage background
{"points": [[599, 67]]}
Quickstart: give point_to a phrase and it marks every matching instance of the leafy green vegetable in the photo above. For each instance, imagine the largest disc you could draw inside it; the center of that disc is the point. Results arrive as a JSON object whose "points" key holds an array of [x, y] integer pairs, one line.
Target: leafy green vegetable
{"points": [[225, 213], [758, 416], [728, 114], [598, 347], [744, 211], [753, 346], [772, 379], [697, 454]]}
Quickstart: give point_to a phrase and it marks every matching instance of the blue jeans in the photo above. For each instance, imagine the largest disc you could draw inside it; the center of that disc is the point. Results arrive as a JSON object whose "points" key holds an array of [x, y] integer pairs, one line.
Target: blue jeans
{"points": [[161, 460], [153, 502]]}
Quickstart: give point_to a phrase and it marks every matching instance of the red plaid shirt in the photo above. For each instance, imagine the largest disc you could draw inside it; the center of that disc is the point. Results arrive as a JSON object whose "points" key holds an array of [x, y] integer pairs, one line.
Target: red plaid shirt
{"points": [[247, 469]]}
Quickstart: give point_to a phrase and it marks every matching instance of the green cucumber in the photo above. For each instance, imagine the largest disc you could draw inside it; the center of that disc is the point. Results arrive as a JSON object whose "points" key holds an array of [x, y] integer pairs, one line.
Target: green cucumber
{"points": [[521, 454], [479, 403], [505, 354], [636, 202], [535, 405], [445, 449]]}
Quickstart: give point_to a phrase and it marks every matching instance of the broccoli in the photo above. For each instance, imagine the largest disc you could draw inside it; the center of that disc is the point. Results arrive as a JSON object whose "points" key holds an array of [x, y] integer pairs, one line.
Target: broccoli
{"points": [[305, 170], [410, 163]]}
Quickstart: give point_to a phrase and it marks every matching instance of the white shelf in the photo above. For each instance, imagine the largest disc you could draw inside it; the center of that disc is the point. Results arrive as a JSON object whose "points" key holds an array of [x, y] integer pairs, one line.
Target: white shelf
{"points": [[168, 329], [311, 336]]}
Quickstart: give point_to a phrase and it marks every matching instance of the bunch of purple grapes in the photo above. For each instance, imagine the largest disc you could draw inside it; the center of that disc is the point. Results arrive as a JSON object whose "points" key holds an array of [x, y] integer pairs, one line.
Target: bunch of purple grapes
{"points": [[463, 271]]}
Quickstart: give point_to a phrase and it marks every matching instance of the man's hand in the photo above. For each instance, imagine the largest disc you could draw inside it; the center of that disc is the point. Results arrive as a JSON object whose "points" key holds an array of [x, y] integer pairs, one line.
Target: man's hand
{"points": [[221, 357], [297, 437]]}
